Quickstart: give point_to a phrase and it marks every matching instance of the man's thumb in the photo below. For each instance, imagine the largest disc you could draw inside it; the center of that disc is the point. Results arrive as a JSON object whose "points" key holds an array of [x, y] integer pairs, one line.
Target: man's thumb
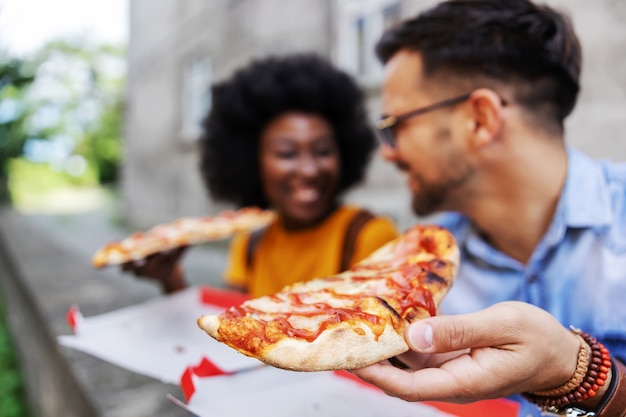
{"points": [[420, 336], [440, 334]]}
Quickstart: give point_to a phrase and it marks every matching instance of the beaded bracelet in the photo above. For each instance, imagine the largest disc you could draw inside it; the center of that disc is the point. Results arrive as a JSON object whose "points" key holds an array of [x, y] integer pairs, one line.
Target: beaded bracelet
{"points": [[579, 375], [596, 367]]}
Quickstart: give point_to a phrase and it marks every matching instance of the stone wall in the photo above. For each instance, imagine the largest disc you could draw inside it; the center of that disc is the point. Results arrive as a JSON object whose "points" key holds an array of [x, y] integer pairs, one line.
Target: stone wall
{"points": [[51, 388], [161, 178], [598, 124], [160, 175]]}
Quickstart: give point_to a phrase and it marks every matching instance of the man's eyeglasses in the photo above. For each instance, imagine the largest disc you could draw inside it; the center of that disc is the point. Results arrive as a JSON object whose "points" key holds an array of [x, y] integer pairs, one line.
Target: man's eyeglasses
{"points": [[387, 124]]}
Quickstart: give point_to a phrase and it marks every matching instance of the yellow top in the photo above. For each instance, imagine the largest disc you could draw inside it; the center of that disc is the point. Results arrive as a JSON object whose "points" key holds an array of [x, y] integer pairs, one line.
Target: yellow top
{"points": [[283, 257]]}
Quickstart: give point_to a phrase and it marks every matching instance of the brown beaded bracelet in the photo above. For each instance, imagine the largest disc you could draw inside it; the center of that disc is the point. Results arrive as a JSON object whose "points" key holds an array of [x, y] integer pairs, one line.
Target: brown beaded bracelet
{"points": [[582, 365], [596, 374]]}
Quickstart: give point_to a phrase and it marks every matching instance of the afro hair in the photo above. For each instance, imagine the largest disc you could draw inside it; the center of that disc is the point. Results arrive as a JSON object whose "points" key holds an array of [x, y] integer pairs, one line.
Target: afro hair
{"points": [[254, 96]]}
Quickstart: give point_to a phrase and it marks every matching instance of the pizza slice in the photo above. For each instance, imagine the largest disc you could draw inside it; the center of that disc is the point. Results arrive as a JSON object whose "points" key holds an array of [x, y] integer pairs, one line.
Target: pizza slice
{"points": [[181, 232], [349, 320]]}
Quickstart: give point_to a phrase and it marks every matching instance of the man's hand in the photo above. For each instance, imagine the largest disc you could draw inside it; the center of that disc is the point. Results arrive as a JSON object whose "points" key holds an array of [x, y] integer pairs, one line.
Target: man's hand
{"points": [[509, 348]]}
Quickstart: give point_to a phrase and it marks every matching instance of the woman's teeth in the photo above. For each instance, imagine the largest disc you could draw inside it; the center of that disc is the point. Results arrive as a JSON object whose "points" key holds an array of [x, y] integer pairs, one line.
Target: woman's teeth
{"points": [[306, 195]]}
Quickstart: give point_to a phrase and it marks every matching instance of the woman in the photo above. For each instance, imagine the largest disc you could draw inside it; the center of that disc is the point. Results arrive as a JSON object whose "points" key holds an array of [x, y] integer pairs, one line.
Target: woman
{"points": [[289, 133]]}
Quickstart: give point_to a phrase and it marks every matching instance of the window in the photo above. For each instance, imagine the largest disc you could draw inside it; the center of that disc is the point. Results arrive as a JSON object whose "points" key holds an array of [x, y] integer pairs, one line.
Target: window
{"points": [[360, 23], [196, 97], [392, 14]]}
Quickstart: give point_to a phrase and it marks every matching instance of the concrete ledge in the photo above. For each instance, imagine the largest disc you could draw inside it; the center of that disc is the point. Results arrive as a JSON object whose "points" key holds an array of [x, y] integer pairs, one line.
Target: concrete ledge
{"points": [[40, 279], [47, 376]]}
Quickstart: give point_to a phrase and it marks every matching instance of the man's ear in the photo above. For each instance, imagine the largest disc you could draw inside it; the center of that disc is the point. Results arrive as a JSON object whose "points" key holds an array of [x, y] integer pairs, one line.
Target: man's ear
{"points": [[486, 121]]}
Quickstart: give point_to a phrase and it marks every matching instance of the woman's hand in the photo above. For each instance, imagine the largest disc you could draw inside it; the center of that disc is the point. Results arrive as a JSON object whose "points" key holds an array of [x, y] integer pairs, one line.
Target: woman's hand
{"points": [[164, 267], [509, 348]]}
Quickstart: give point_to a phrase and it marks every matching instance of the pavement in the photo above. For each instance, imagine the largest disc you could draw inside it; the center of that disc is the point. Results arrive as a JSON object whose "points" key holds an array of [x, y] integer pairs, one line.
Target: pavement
{"points": [[45, 268]]}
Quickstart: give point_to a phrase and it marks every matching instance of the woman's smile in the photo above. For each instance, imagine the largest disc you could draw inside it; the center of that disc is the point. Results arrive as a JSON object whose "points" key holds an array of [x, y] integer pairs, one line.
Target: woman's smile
{"points": [[300, 168]]}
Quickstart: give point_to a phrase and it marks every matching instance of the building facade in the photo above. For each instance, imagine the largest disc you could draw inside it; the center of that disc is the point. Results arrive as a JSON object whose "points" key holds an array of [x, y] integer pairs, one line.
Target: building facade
{"points": [[178, 48]]}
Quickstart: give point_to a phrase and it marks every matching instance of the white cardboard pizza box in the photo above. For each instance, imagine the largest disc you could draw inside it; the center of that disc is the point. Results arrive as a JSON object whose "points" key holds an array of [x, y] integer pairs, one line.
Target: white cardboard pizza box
{"points": [[158, 338], [268, 391], [274, 392]]}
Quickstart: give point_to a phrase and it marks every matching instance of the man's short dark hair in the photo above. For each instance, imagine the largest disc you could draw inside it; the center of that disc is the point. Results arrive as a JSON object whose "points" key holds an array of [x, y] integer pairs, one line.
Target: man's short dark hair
{"points": [[530, 47], [254, 96]]}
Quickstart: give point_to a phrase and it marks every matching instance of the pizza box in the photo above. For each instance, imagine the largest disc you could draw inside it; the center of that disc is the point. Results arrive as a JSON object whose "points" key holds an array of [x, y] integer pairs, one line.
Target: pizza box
{"points": [[164, 327], [274, 392], [218, 381]]}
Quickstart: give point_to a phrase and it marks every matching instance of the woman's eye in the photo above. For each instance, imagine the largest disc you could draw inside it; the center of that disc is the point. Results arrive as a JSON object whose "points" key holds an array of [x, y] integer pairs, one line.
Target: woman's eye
{"points": [[324, 151], [286, 154]]}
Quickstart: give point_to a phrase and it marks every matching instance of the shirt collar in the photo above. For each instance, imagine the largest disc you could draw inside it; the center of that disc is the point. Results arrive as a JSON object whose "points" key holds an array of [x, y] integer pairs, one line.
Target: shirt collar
{"points": [[585, 200]]}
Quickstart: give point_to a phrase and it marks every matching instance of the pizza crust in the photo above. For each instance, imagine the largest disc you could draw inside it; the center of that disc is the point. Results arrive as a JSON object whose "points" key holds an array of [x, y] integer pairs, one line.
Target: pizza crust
{"points": [[210, 324], [350, 350]]}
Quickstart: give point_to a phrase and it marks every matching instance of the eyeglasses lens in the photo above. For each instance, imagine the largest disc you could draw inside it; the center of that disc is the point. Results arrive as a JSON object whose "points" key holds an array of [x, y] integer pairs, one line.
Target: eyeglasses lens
{"points": [[387, 137]]}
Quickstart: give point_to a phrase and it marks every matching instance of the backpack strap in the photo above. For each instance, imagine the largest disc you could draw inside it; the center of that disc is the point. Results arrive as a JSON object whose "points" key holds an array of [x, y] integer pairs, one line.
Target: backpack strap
{"points": [[253, 243], [352, 232]]}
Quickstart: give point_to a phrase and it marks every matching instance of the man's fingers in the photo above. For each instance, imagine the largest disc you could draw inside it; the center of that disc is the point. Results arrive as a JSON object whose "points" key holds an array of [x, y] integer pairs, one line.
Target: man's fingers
{"points": [[440, 334], [425, 385], [393, 381], [452, 333]]}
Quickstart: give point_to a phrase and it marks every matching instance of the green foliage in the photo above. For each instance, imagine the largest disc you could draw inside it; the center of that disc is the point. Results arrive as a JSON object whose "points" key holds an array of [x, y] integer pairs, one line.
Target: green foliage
{"points": [[70, 91], [15, 77], [42, 178], [12, 393], [31, 183], [104, 147]]}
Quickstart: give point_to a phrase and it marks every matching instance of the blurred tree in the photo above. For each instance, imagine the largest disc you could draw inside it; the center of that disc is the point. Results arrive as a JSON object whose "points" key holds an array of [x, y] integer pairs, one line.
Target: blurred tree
{"points": [[79, 94], [102, 146], [15, 77], [64, 107]]}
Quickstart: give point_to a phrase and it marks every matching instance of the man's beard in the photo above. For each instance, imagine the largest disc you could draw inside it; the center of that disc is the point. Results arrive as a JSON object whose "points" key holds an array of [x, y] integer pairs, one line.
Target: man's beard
{"points": [[429, 199], [433, 197]]}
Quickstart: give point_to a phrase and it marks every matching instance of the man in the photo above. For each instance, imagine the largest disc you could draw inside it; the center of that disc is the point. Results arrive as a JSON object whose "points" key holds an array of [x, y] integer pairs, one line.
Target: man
{"points": [[474, 98]]}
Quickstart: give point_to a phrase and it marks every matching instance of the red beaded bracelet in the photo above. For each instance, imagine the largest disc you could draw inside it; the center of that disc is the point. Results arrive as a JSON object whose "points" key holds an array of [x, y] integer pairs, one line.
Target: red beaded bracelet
{"points": [[599, 364]]}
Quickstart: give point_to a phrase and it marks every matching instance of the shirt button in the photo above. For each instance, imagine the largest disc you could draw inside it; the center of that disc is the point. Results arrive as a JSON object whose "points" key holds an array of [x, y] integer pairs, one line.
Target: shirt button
{"points": [[532, 279]]}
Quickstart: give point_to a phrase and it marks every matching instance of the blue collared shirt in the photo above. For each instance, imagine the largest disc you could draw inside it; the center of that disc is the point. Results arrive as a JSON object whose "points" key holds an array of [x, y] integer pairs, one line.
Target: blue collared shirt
{"points": [[578, 270]]}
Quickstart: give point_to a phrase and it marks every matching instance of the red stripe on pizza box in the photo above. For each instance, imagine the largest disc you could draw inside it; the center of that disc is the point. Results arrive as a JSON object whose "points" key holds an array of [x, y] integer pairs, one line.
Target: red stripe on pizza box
{"points": [[74, 318], [203, 369], [221, 298], [186, 384], [500, 407]]}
